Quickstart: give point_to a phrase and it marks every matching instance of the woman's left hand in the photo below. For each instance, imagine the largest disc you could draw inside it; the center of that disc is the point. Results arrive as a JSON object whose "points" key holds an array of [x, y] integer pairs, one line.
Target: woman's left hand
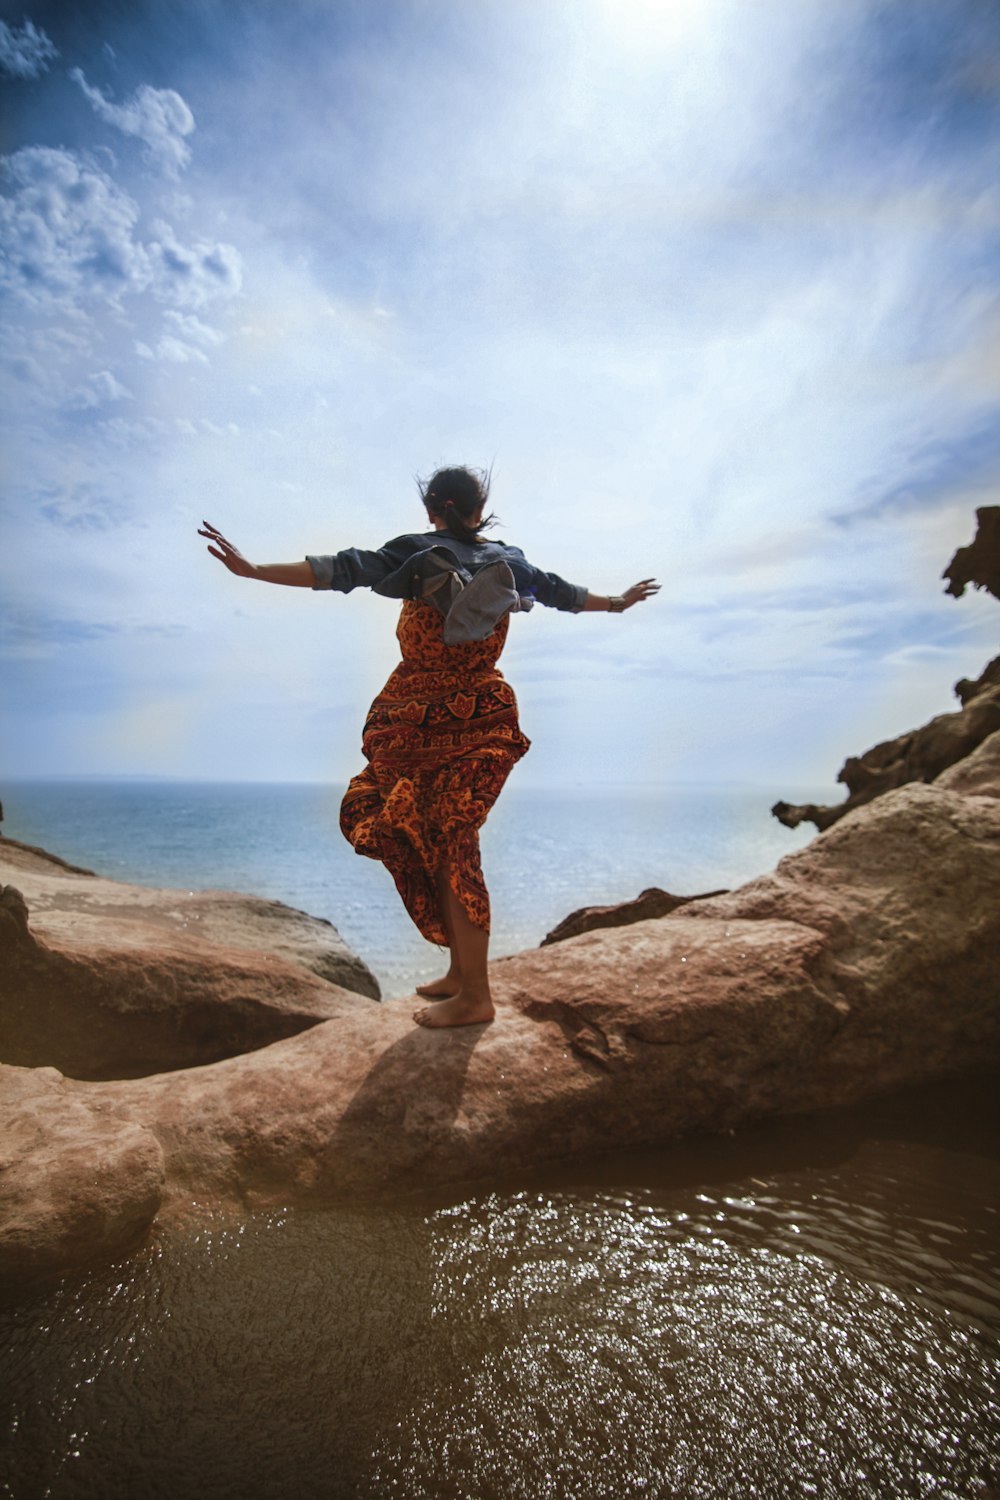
{"points": [[644, 589]]}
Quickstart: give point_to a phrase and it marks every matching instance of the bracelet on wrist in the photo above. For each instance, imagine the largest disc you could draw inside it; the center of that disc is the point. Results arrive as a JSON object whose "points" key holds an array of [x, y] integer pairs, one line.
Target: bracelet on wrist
{"points": [[616, 604]]}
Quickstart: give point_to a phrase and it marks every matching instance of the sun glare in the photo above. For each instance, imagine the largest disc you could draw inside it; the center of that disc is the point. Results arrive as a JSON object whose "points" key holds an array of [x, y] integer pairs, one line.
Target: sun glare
{"points": [[656, 23]]}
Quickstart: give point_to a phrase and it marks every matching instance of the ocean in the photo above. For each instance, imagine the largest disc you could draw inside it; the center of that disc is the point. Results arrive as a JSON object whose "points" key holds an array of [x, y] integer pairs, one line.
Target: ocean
{"points": [[545, 852]]}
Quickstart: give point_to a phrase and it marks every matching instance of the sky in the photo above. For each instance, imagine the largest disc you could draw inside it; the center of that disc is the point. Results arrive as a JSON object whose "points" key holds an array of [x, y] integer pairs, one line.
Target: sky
{"points": [[711, 286]]}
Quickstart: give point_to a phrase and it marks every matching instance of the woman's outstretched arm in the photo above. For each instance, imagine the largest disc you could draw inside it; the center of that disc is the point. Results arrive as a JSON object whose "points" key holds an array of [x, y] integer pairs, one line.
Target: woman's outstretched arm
{"points": [[616, 603], [296, 575]]}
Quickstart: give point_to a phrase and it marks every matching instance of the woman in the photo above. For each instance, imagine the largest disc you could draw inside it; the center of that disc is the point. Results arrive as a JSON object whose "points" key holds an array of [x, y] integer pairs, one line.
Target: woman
{"points": [[443, 734]]}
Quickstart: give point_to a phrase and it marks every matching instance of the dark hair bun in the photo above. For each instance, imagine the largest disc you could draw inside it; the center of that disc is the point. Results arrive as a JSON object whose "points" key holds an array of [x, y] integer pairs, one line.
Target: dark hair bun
{"points": [[458, 496]]}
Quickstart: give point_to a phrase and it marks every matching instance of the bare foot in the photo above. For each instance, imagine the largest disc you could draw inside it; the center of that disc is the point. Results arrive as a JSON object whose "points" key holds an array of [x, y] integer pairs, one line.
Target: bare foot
{"points": [[440, 989], [456, 1011]]}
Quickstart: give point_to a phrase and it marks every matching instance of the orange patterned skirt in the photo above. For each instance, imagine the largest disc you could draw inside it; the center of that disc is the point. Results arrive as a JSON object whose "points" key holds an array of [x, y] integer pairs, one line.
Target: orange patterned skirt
{"points": [[440, 739]]}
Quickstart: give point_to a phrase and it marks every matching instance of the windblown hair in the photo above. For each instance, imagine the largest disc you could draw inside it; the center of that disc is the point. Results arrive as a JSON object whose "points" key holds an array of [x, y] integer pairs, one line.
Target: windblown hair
{"points": [[456, 496]]}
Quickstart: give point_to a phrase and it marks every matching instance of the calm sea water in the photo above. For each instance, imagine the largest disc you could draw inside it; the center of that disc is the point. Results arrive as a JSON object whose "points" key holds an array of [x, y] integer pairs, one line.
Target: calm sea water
{"points": [[545, 853]]}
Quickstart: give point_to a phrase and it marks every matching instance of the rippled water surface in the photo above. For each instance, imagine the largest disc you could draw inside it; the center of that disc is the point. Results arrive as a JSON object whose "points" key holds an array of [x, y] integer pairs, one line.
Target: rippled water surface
{"points": [[808, 1309]]}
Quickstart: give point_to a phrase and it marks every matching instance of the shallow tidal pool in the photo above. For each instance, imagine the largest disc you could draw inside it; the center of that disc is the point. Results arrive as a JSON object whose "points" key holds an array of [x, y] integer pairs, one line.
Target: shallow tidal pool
{"points": [[810, 1308]]}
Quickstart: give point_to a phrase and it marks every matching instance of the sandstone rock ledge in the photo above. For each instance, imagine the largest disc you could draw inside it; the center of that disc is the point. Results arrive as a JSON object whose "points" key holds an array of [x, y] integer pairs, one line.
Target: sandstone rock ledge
{"points": [[864, 962], [105, 980]]}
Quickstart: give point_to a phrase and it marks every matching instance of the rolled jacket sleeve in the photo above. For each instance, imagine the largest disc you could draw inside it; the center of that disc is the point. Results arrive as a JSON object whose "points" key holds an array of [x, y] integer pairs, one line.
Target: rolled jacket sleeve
{"points": [[554, 591], [548, 588], [357, 568]]}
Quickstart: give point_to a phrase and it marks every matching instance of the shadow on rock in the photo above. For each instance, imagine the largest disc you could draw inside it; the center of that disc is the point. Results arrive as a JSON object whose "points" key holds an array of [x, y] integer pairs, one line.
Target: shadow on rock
{"points": [[410, 1100]]}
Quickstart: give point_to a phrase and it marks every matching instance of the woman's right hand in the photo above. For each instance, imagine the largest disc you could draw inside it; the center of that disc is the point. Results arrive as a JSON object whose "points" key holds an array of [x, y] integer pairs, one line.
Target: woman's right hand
{"points": [[227, 553]]}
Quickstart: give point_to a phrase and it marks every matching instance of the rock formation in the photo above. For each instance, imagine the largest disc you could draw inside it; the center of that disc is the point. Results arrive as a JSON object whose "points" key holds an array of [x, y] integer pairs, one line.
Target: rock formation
{"points": [[112, 980], [922, 754], [979, 563], [968, 688], [864, 962], [648, 904]]}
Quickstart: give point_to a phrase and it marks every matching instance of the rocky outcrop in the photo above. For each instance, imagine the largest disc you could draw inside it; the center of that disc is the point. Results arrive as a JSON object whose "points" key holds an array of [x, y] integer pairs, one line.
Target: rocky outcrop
{"points": [[979, 563], [648, 904], [866, 961], [922, 754], [968, 688], [107, 980]]}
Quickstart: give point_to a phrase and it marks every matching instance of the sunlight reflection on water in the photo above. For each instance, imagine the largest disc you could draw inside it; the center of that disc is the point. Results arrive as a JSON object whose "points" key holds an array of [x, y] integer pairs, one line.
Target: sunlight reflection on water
{"points": [[680, 1323]]}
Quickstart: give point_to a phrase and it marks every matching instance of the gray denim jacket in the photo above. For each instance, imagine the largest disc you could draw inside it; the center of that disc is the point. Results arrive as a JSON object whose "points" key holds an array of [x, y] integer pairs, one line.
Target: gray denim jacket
{"points": [[394, 570]]}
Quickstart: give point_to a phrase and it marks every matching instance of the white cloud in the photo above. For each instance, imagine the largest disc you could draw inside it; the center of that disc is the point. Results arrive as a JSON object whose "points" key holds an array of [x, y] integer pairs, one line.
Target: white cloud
{"points": [[25, 53], [159, 117], [191, 275], [193, 330], [100, 390], [173, 351], [83, 507], [68, 230], [69, 234], [184, 343]]}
